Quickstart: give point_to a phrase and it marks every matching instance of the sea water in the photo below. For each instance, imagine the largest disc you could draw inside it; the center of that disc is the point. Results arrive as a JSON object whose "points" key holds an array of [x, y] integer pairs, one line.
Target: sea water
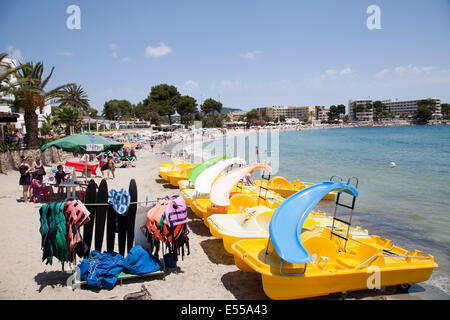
{"points": [[408, 204]]}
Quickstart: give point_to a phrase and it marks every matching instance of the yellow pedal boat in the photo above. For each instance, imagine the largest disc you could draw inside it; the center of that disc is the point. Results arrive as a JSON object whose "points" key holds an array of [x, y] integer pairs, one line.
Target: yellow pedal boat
{"points": [[174, 176], [283, 187], [297, 264], [178, 166], [254, 224], [331, 270]]}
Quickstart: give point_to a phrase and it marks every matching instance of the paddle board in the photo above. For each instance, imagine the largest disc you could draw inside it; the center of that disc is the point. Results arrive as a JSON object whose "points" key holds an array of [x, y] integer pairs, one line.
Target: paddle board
{"points": [[88, 228], [131, 214], [100, 214]]}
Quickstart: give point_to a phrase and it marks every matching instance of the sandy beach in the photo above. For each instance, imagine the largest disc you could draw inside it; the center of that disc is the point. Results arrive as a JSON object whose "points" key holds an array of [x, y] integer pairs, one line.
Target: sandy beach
{"points": [[207, 273]]}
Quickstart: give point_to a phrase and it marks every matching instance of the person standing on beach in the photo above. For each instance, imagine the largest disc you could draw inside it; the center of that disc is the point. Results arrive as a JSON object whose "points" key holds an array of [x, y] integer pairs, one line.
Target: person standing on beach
{"points": [[111, 167], [25, 176], [38, 167], [152, 144]]}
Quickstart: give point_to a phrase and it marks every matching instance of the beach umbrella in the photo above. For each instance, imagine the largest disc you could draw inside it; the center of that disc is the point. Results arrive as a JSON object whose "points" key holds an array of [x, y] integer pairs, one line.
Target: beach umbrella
{"points": [[84, 143], [128, 144]]}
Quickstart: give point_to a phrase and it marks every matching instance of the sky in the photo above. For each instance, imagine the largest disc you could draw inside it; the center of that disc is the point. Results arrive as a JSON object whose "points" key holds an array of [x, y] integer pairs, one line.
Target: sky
{"points": [[245, 53]]}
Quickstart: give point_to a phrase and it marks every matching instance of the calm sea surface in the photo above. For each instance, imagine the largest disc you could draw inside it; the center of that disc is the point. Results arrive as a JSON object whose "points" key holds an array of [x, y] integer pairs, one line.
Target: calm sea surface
{"points": [[408, 204]]}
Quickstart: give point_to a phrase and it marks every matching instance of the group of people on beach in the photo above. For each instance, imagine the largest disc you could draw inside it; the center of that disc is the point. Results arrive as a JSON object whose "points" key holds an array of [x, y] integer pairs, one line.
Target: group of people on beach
{"points": [[32, 172], [114, 160], [31, 176]]}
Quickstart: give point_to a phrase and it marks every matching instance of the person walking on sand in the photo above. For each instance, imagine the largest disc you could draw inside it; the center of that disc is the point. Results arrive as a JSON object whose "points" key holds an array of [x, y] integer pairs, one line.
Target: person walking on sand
{"points": [[25, 169]]}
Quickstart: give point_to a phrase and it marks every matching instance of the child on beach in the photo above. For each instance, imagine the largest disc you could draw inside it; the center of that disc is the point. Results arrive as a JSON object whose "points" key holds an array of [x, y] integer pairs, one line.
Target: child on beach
{"points": [[60, 176]]}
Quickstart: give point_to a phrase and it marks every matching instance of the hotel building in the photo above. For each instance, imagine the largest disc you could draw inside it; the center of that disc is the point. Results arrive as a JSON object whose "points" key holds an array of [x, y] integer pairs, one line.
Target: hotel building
{"points": [[289, 112], [400, 108]]}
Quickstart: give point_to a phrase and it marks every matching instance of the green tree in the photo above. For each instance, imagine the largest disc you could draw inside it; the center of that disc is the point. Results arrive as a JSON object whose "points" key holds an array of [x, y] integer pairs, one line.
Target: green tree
{"points": [[380, 110], [75, 97], [163, 98], [30, 95], [424, 111], [336, 111], [186, 107], [267, 119], [282, 118], [93, 113], [252, 114], [210, 107], [147, 111], [6, 70], [117, 109], [422, 114], [68, 116], [445, 110]]}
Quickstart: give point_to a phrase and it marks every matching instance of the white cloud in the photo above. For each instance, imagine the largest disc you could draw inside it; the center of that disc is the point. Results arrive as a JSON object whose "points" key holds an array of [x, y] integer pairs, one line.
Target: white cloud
{"points": [[66, 53], [346, 71], [410, 69], [382, 72], [190, 84], [113, 46], [14, 53], [329, 73], [159, 51], [251, 54], [229, 83], [413, 75], [127, 59], [114, 54]]}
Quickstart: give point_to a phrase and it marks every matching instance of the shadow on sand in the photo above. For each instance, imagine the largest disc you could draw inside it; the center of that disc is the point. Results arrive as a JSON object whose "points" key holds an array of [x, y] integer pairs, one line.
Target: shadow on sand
{"points": [[244, 285], [199, 228], [51, 279], [216, 253]]}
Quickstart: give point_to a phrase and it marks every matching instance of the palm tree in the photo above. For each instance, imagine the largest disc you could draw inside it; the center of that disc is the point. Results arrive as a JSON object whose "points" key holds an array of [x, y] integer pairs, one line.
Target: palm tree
{"points": [[75, 96], [30, 95], [6, 69], [68, 116]]}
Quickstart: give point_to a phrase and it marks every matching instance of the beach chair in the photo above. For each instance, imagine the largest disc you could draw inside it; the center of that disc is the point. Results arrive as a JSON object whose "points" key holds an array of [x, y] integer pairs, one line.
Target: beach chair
{"points": [[38, 190]]}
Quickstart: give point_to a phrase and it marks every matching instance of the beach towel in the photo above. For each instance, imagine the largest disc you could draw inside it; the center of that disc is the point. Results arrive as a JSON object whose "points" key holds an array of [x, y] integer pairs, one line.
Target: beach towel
{"points": [[139, 261], [120, 200], [101, 270], [53, 233]]}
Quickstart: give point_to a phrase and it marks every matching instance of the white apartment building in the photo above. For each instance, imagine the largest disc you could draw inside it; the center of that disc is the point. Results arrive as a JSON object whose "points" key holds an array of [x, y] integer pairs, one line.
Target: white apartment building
{"points": [[359, 116], [322, 114], [408, 107], [400, 108], [20, 124]]}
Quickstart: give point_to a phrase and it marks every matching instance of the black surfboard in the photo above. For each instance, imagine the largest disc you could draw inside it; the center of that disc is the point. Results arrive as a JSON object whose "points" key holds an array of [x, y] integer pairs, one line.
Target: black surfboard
{"points": [[111, 217], [100, 214], [131, 215], [90, 197], [122, 233]]}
